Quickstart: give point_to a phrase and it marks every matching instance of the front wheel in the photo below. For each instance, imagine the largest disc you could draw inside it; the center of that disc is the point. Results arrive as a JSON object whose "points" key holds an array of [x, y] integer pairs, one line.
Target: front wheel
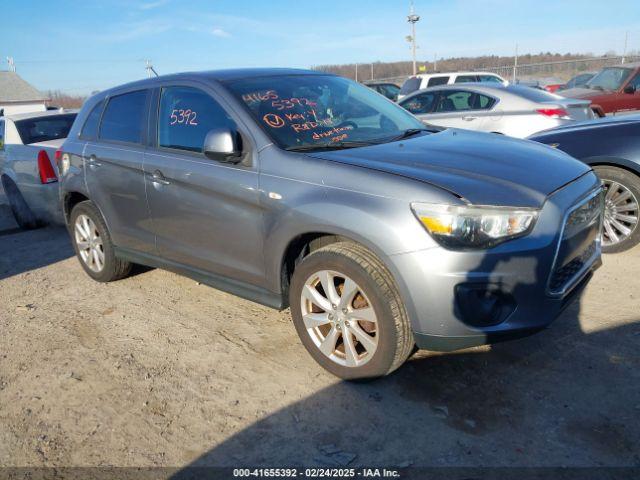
{"points": [[92, 243], [348, 313], [621, 212]]}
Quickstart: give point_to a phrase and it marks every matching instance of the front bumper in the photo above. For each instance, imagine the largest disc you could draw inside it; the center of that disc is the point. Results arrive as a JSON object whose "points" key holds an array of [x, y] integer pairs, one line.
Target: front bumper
{"points": [[462, 299]]}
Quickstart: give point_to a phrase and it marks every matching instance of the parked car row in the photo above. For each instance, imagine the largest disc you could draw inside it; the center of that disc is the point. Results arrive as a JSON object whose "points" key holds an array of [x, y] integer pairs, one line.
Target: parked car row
{"points": [[301, 189]]}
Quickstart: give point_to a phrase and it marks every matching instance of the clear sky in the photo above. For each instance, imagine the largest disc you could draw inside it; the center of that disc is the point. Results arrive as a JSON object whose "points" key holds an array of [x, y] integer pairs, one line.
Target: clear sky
{"points": [[81, 45]]}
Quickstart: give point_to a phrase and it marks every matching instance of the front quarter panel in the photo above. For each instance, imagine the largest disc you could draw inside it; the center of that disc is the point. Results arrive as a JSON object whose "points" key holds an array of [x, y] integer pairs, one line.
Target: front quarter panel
{"points": [[320, 196]]}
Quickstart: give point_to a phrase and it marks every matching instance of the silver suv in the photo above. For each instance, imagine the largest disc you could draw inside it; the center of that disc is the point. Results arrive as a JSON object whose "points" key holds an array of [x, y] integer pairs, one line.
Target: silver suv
{"points": [[302, 189]]}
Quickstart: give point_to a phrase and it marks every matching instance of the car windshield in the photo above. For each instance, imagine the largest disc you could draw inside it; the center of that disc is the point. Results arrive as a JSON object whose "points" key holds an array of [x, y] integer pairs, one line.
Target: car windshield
{"points": [[609, 78], [45, 128], [317, 111]]}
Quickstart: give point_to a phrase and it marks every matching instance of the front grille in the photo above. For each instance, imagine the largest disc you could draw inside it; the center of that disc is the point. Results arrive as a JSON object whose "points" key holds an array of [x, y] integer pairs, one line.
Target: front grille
{"points": [[579, 243], [564, 275]]}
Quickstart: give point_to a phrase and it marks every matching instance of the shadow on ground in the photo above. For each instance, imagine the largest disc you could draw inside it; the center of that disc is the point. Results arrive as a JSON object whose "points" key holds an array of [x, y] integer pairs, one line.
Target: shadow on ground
{"points": [[559, 398]]}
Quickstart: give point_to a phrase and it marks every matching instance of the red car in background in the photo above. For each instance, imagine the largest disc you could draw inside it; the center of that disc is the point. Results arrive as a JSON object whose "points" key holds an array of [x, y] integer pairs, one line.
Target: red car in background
{"points": [[612, 91]]}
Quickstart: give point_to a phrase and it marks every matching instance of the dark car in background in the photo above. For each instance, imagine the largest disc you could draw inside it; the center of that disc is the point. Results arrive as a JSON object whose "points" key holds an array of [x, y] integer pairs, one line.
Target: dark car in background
{"points": [[388, 89], [612, 91], [612, 147]]}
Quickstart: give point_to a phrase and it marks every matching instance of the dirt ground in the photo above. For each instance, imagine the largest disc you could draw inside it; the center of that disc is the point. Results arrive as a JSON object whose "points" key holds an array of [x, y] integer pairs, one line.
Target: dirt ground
{"points": [[157, 370]]}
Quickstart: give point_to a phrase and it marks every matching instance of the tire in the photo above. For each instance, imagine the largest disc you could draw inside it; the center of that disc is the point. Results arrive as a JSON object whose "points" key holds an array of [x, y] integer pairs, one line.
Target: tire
{"points": [[624, 201], [111, 267], [23, 215], [376, 296]]}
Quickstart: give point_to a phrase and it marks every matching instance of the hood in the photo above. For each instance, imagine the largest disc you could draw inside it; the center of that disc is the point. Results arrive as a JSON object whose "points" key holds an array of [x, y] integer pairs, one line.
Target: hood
{"points": [[483, 168], [582, 93]]}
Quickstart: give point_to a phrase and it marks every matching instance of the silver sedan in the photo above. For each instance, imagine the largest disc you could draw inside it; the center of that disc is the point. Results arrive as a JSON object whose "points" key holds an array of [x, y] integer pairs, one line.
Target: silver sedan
{"points": [[511, 110]]}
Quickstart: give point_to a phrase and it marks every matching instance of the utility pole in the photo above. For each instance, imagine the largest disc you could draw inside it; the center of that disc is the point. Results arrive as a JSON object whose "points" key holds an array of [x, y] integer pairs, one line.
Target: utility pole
{"points": [[372, 71], [12, 64], [435, 62], [624, 52], [515, 65], [356, 72], [149, 68], [412, 18]]}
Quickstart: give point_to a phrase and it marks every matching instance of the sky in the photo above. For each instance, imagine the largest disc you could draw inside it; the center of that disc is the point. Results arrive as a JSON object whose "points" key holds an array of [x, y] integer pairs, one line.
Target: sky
{"points": [[78, 46]]}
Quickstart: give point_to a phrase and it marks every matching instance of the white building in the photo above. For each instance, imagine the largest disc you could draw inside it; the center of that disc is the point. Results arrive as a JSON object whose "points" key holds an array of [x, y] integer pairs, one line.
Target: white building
{"points": [[17, 96]]}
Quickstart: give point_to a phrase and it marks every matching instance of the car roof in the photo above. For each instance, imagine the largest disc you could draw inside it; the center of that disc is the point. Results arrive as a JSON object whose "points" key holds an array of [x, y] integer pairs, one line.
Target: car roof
{"points": [[481, 87], [218, 76], [456, 73], [46, 113]]}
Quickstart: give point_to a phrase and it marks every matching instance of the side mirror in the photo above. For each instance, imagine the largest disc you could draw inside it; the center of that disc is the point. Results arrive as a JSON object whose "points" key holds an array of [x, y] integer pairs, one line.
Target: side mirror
{"points": [[630, 89], [224, 145]]}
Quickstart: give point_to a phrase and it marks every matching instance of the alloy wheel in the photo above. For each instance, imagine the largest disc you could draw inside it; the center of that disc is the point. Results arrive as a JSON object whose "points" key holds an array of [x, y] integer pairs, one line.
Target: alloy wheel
{"points": [[89, 243], [339, 318], [620, 213]]}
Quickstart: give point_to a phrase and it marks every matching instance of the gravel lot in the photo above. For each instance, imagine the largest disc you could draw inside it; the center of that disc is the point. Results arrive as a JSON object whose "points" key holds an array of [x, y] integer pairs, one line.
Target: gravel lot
{"points": [[157, 370]]}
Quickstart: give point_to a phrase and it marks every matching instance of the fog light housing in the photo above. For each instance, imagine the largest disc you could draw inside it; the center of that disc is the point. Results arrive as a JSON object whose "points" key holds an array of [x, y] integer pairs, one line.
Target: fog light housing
{"points": [[483, 304]]}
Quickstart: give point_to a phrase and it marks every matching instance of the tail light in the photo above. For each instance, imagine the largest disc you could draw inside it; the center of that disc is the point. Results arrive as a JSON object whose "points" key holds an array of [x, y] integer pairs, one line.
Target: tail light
{"points": [[553, 112], [45, 169]]}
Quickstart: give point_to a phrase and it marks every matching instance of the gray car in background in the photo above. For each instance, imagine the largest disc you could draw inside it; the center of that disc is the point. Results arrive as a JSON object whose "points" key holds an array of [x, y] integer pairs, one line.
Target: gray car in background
{"points": [[513, 110], [28, 144], [303, 189]]}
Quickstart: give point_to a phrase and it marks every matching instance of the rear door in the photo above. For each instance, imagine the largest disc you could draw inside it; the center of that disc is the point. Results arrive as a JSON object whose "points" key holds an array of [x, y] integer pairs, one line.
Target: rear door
{"points": [[114, 172], [206, 214]]}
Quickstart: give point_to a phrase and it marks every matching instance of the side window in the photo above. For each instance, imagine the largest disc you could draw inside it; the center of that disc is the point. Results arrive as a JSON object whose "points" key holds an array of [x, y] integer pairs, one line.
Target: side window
{"points": [[123, 118], [422, 103], [435, 81], [636, 82], [489, 79], [1, 134], [90, 127], [185, 117], [466, 78], [454, 101]]}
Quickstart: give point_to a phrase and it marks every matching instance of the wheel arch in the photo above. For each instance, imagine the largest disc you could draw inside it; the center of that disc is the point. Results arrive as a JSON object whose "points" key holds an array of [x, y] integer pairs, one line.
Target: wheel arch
{"points": [[70, 200], [617, 162], [304, 243]]}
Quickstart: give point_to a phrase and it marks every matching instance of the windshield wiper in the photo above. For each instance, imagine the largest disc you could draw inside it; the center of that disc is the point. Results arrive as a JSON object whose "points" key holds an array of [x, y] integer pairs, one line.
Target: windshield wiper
{"points": [[329, 146], [411, 132]]}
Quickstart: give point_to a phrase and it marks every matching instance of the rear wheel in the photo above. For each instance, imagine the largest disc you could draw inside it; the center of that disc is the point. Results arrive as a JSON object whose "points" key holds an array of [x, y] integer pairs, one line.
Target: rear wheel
{"points": [[23, 215], [621, 214], [348, 313], [92, 243]]}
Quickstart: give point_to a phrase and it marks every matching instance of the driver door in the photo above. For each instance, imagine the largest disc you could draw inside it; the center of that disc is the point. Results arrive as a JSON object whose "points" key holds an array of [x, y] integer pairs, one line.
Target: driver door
{"points": [[205, 214]]}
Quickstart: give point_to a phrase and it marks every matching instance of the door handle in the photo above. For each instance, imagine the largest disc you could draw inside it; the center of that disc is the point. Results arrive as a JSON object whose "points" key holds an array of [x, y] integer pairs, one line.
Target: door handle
{"points": [[158, 177], [93, 161], [469, 118]]}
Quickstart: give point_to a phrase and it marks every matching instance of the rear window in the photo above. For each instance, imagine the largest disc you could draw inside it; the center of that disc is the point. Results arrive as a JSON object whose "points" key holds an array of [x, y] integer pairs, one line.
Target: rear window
{"points": [[42, 129], [90, 127], [410, 85], [435, 81], [489, 79], [123, 118], [466, 79]]}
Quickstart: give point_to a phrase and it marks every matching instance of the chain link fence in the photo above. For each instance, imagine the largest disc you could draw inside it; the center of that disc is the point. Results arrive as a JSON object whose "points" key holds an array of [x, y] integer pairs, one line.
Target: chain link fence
{"points": [[546, 72]]}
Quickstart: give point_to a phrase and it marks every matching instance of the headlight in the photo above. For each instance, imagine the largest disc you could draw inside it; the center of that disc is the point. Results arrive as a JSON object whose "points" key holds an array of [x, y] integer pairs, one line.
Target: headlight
{"points": [[468, 226]]}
